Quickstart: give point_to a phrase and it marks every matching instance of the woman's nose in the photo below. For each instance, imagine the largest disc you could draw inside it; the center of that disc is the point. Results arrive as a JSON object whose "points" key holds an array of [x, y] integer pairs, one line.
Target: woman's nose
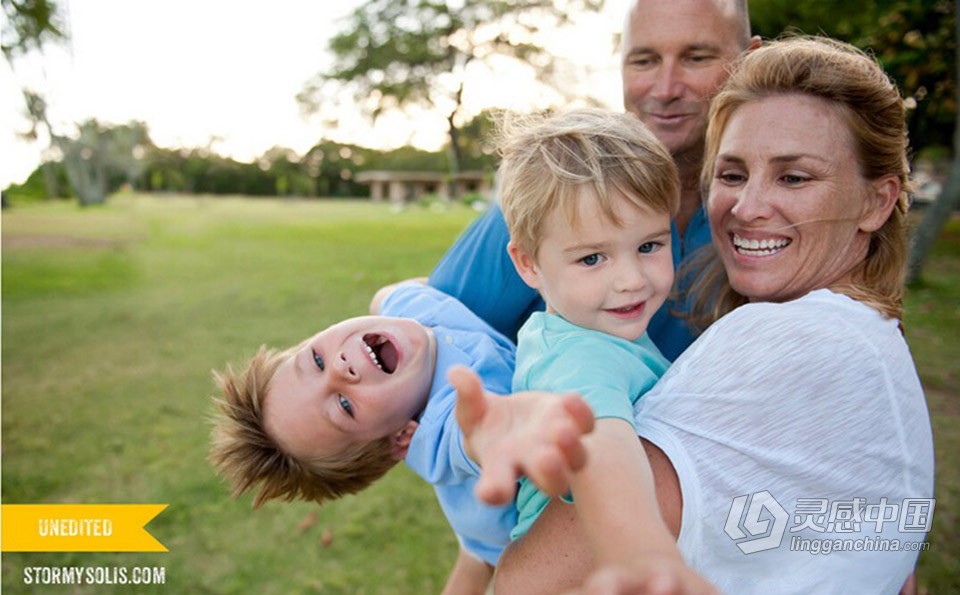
{"points": [[752, 202]]}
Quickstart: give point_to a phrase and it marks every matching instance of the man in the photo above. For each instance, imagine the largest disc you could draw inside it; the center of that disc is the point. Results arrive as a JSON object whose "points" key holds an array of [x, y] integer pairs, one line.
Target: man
{"points": [[675, 56]]}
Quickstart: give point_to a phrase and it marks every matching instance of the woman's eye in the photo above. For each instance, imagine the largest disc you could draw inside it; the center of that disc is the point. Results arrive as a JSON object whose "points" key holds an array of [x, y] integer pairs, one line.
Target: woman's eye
{"points": [[793, 179], [591, 260], [318, 360], [649, 247], [731, 177], [345, 405]]}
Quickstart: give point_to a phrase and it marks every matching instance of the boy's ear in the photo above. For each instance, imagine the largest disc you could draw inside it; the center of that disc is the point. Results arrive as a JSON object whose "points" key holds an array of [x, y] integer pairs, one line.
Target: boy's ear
{"points": [[401, 440], [525, 265], [884, 193]]}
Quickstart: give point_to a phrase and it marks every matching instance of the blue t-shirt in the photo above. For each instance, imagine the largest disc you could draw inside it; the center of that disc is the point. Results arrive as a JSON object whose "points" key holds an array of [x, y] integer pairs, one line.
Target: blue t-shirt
{"points": [[478, 271], [436, 449], [610, 373]]}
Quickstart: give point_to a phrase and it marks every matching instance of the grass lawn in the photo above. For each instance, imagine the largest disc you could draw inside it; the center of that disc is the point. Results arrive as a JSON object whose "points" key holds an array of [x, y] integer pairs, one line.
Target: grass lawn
{"points": [[114, 316]]}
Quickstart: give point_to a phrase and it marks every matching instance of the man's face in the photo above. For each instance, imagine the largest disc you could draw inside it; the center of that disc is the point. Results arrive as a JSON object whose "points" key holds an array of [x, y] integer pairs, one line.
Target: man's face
{"points": [[676, 54]]}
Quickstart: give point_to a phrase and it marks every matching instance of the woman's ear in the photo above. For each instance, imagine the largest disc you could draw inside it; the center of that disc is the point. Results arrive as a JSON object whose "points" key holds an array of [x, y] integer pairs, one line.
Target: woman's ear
{"points": [[884, 193], [525, 265], [401, 440]]}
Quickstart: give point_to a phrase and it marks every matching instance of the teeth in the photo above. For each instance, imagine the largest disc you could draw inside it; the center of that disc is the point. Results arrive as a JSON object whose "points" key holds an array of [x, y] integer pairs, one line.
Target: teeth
{"points": [[763, 247], [373, 356]]}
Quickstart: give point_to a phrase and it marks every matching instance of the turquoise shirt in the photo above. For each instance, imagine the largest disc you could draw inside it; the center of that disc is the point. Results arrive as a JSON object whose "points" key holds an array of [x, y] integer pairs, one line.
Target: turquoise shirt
{"points": [[610, 373]]}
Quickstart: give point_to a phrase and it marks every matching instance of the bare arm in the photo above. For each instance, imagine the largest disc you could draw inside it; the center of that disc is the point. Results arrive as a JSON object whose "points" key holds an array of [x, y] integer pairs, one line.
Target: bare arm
{"points": [[470, 576], [617, 486], [562, 550]]}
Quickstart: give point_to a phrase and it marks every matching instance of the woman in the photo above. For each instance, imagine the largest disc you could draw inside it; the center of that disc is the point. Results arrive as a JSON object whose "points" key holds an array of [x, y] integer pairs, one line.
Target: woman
{"points": [[797, 418]]}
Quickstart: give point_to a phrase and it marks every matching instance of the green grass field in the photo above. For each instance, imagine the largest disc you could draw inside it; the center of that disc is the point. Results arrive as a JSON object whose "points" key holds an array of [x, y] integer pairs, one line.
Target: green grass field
{"points": [[113, 318]]}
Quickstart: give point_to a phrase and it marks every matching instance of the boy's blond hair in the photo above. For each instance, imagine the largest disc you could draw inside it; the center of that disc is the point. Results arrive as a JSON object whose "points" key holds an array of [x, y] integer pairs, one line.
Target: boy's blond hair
{"points": [[549, 159], [246, 455]]}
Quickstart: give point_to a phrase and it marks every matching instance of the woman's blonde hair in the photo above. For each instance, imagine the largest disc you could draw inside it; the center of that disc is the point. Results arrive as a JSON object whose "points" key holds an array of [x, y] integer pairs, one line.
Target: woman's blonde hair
{"points": [[874, 111], [548, 159]]}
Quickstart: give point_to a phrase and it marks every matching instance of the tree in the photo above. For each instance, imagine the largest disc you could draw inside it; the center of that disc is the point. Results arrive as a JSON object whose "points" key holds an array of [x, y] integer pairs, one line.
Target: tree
{"points": [[396, 54], [913, 39], [29, 25], [949, 199]]}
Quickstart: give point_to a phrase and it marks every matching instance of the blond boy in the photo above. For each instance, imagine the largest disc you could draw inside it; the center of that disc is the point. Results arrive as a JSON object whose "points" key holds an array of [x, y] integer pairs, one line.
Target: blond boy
{"points": [[588, 196], [332, 415]]}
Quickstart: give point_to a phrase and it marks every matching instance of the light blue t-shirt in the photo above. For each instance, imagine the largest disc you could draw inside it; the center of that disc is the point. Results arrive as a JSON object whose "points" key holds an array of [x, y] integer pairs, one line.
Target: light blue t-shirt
{"points": [[610, 373], [436, 449]]}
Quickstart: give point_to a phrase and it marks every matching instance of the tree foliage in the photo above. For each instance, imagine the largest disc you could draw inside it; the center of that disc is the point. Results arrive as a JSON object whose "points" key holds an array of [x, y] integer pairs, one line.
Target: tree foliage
{"points": [[99, 159], [914, 40], [394, 54], [29, 25]]}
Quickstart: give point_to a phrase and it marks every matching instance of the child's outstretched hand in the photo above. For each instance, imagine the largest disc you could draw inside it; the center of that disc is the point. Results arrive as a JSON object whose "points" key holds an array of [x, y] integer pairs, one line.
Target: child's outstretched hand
{"points": [[535, 434], [657, 576]]}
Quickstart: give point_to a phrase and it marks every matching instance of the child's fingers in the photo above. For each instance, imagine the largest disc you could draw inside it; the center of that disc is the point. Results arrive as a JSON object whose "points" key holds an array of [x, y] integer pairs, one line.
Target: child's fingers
{"points": [[471, 406], [547, 471], [579, 412], [572, 450], [496, 485]]}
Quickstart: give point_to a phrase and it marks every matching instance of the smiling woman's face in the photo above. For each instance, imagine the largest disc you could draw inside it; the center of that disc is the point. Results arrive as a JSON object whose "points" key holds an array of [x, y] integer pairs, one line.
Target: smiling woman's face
{"points": [[787, 201]]}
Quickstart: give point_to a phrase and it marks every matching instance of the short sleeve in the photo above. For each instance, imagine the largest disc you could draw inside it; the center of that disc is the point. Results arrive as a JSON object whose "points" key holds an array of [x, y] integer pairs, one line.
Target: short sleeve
{"points": [[608, 378]]}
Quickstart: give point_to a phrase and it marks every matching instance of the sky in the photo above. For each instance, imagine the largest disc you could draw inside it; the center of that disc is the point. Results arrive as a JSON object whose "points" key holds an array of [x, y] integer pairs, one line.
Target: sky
{"points": [[225, 74]]}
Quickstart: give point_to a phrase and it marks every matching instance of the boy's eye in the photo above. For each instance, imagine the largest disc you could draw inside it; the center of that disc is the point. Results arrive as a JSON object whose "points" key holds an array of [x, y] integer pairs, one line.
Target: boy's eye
{"points": [[345, 405], [318, 360], [649, 247], [591, 260]]}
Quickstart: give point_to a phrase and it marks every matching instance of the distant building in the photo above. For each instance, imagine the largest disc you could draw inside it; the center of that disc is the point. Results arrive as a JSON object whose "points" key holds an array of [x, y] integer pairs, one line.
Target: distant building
{"points": [[410, 186]]}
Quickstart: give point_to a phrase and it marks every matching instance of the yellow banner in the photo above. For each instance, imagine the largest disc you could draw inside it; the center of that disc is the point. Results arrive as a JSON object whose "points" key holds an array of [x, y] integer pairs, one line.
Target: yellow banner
{"points": [[78, 528]]}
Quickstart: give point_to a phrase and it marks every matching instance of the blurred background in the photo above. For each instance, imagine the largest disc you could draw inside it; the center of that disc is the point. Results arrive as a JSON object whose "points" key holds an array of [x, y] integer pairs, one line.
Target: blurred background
{"points": [[184, 181]]}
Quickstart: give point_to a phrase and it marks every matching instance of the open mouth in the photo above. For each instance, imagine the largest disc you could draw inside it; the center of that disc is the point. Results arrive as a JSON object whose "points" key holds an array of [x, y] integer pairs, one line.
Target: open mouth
{"points": [[382, 352]]}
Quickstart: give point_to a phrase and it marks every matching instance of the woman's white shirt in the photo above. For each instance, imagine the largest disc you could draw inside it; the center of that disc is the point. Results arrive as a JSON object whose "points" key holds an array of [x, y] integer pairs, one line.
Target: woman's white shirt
{"points": [[797, 428]]}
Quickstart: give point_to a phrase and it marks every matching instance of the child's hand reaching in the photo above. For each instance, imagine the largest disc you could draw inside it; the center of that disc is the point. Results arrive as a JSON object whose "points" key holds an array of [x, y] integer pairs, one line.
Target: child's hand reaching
{"points": [[666, 575], [535, 434]]}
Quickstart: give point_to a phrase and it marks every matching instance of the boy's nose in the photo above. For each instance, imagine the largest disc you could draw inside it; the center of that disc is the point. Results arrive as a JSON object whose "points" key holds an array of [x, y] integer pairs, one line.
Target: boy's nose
{"points": [[629, 278], [345, 369]]}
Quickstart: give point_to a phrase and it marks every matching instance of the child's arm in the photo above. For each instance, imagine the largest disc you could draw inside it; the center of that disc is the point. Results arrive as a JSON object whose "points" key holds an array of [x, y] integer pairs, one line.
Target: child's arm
{"points": [[616, 505], [470, 576], [543, 436]]}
